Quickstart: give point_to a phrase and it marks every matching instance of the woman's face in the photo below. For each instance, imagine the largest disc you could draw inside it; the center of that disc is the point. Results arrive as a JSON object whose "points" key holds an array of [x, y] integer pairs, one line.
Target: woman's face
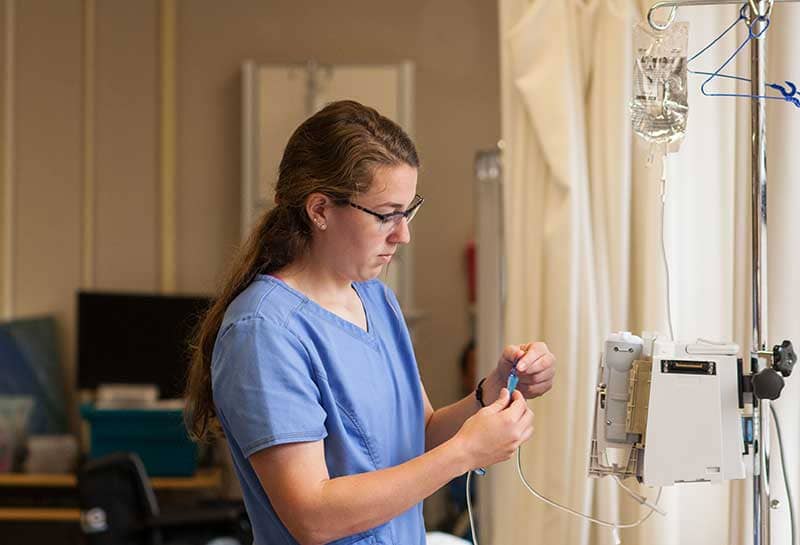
{"points": [[355, 241]]}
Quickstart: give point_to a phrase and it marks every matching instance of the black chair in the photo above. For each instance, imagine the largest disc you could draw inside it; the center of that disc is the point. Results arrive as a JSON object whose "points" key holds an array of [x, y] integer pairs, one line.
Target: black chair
{"points": [[118, 507]]}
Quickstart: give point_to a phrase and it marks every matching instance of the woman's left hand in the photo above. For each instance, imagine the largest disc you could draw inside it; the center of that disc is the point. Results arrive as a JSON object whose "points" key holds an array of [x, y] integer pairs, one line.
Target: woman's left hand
{"points": [[536, 369]]}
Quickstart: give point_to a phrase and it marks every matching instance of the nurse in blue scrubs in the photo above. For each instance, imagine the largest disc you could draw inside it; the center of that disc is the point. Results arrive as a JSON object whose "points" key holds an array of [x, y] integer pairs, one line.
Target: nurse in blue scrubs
{"points": [[305, 365]]}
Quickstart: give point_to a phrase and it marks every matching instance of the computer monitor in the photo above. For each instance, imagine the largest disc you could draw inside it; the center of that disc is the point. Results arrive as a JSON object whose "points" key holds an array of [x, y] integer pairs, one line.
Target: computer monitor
{"points": [[132, 338]]}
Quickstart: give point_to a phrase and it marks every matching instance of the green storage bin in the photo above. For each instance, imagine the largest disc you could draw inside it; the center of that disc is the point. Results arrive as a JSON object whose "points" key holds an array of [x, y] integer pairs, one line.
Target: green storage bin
{"points": [[158, 436]]}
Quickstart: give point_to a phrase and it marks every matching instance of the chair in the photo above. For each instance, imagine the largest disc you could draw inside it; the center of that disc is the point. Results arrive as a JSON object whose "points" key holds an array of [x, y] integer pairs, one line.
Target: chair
{"points": [[118, 507]]}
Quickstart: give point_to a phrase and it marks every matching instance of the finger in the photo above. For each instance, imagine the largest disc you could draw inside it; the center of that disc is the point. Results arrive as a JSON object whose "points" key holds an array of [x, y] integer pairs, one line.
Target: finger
{"points": [[529, 417], [538, 352], [512, 353], [548, 361], [518, 406], [541, 376], [524, 429], [527, 434], [532, 380], [534, 361], [538, 389], [500, 403], [528, 384]]}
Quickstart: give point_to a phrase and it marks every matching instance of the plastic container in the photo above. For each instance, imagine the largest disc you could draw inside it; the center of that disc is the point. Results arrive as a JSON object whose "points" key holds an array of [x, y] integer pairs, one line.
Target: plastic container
{"points": [[7, 447], [14, 414], [126, 396], [51, 454], [157, 435]]}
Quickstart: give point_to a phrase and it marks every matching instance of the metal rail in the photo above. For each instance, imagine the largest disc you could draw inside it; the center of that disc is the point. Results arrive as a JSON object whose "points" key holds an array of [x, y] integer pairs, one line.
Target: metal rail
{"points": [[761, 8]]}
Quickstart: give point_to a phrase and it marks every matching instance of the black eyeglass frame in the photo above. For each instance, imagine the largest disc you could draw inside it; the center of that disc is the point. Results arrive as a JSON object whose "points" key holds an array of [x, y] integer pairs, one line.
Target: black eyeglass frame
{"points": [[385, 218]]}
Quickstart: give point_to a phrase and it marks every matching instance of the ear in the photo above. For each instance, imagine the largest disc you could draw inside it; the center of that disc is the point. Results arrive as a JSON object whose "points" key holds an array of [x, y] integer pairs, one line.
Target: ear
{"points": [[317, 206]]}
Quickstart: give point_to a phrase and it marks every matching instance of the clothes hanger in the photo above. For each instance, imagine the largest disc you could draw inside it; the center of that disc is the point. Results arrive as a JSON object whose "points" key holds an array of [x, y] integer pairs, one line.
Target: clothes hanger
{"points": [[788, 92]]}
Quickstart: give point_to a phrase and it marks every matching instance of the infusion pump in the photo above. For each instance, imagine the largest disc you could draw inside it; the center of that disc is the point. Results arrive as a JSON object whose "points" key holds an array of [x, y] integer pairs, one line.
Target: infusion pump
{"points": [[669, 412]]}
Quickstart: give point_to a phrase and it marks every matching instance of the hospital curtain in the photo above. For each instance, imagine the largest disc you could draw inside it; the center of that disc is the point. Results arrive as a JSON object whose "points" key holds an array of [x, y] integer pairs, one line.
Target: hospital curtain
{"points": [[583, 254]]}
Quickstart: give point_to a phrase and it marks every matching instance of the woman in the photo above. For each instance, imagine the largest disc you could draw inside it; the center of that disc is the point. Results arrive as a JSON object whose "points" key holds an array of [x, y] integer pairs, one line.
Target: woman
{"points": [[305, 362]]}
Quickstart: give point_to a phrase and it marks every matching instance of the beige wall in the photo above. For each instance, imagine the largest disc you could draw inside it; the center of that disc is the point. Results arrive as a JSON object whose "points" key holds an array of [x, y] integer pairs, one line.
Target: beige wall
{"points": [[453, 44], [126, 106], [46, 161]]}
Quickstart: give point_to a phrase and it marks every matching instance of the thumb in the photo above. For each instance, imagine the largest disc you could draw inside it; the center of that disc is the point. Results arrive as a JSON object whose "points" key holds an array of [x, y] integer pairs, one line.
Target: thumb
{"points": [[500, 403]]}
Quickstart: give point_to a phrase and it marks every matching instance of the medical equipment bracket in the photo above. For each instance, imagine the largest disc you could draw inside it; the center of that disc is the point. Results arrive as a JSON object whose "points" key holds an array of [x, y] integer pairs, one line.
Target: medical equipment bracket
{"points": [[758, 10]]}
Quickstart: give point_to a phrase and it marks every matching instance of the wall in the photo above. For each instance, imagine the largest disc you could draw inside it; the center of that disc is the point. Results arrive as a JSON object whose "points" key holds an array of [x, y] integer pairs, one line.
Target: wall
{"points": [[86, 182]]}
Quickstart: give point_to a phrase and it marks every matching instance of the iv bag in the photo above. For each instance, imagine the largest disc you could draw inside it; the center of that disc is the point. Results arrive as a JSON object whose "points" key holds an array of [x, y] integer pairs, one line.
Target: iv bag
{"points": [[660, 104]]}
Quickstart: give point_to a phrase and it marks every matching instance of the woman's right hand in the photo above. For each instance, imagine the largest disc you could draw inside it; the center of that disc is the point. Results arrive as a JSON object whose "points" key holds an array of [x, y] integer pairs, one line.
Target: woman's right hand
{"points": [[493, 433]]}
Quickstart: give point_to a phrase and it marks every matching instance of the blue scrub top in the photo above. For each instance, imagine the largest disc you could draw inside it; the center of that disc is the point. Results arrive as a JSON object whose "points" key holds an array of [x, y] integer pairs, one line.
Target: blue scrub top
{"points": [[284, 370]]}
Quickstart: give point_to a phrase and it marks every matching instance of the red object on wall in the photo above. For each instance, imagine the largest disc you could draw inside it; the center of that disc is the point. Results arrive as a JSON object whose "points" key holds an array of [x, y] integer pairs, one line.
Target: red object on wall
{"points": [[472, 280]]}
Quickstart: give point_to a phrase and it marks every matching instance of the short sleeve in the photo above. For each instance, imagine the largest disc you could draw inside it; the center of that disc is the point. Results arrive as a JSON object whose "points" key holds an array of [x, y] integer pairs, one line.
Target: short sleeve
{"points": [[264, 386]]}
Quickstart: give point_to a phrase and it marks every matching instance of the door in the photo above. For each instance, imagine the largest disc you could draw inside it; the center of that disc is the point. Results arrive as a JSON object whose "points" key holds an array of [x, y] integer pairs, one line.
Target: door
{"points": [[277, 98]]}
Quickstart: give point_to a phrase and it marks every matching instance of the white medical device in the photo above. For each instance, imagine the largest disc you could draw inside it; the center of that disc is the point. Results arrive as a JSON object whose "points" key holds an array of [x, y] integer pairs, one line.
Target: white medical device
{"points": [[668, 412]]}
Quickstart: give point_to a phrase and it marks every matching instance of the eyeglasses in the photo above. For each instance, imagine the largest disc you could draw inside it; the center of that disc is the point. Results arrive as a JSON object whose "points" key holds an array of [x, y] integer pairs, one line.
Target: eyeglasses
{"points": [[389, 221]]}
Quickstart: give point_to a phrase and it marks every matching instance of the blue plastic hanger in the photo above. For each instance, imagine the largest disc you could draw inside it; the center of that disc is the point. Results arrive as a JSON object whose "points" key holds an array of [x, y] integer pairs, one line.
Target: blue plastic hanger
{"points": [[788, 93]]}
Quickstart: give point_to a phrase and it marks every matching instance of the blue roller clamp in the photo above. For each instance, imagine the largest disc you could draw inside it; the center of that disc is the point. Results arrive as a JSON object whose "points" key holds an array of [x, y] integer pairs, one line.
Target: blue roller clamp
{"points": [[513, 379]]}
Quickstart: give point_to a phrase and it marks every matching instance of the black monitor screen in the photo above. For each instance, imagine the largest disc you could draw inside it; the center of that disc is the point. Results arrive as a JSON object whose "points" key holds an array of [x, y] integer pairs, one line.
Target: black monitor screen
{"points": [[136, 339]]}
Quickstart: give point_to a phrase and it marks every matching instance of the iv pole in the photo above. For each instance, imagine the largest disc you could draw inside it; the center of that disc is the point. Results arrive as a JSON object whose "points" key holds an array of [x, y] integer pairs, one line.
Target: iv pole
{"points": [[758, 174], [759, 352]]}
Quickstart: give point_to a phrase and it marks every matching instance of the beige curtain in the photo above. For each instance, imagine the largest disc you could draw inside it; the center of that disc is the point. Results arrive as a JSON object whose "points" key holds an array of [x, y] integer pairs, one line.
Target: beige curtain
{"points": [[568, 206], [583, 255]]}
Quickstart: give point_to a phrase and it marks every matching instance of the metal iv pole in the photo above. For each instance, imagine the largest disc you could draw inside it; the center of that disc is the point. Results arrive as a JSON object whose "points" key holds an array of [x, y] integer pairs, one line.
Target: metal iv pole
{"points": [[758, 174]]}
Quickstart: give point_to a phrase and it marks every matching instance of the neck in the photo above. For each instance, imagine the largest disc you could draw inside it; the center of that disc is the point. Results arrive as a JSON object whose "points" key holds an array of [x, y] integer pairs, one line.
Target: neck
{"points": [[310, 275]]}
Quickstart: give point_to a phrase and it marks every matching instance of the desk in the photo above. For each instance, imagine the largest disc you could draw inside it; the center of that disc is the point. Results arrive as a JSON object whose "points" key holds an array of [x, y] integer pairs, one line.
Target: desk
{"points": [[40, 514], [203, 479]]}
